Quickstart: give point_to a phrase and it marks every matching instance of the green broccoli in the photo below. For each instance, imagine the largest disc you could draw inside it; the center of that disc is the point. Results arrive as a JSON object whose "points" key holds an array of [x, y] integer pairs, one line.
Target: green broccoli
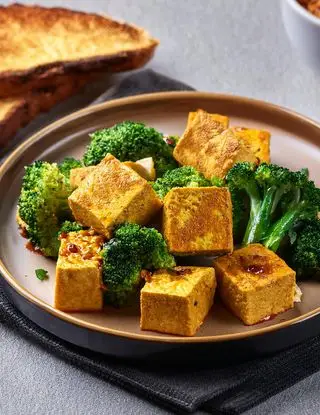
{"points": [[240, 213], [68, 164], [266, 186], [130, 141], [171, 140], [304, 205], [241, 177], [183, 177], [132, 249], [43, 205], [69, 226], [306, 250]]}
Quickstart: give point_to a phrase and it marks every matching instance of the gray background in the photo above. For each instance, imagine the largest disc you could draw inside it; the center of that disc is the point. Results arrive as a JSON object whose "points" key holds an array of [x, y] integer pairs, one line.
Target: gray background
{"points": [[235, 46]]}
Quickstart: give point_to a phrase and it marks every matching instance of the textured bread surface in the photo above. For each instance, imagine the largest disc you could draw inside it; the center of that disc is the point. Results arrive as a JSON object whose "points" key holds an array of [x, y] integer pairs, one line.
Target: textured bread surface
{"points": [[255, 283], [177, 301], [38, 43], [18, 111]]}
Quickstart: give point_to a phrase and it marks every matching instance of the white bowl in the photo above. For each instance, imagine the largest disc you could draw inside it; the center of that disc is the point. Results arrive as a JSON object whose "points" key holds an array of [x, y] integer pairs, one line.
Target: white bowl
{"points": [[303, 29]]}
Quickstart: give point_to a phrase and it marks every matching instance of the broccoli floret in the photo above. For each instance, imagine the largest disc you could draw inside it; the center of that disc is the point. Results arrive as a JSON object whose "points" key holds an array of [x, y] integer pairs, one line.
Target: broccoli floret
{"points": [[68, 164], [240, 213], [182, 177], [132, 249], [164, 164], [306, 250], [241, 177], [43, 205], [266, 186], [130, 141], [171, 140], [305, 205], [69, 226]]}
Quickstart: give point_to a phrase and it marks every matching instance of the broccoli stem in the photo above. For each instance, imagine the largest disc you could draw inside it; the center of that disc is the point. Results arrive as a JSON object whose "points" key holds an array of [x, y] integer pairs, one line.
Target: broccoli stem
{"points": [[282, 226], [255, 206], [262, 219]]}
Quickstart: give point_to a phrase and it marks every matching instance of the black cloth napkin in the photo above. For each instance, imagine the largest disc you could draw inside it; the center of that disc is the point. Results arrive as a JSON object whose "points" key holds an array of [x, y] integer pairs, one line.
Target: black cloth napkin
{"points": [[229, 389]]}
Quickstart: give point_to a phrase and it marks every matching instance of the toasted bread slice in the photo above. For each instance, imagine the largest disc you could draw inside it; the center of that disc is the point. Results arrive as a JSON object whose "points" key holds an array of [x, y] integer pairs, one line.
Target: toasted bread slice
{"points": [[37, 44], [16, 112]]}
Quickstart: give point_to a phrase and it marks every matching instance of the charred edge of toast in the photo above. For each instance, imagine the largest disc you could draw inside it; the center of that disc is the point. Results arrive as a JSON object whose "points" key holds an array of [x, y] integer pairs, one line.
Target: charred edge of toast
{"points": [[41, 100], [12, 83]]}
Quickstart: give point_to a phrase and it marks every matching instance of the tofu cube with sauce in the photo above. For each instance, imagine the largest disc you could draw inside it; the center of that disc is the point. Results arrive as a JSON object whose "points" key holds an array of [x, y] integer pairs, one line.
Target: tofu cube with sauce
{"points": [[177, 301], [78, 283], [198, 221], [112, 194], [255, 284]]}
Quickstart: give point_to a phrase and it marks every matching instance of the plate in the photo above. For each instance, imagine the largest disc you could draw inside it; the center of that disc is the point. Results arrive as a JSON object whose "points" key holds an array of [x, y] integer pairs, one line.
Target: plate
{"points": [[295, 144]]}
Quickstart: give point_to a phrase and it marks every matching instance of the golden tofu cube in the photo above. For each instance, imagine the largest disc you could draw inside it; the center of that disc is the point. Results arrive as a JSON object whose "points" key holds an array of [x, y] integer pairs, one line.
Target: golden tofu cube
{"points": [[198, 221], [78, 174], [199, 131], [78, 283], [177, 301], [222, 119], [258, 140], [222, 152], [255, 284], [113, 194]]}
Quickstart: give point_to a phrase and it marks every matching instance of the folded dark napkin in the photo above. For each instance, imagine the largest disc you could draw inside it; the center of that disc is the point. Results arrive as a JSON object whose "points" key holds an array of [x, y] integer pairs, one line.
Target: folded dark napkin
{"points": [[226, 389]]}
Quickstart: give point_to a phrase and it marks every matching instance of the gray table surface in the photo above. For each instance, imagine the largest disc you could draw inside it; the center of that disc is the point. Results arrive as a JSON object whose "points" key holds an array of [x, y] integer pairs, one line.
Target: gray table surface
{"points": [[235, 46]]}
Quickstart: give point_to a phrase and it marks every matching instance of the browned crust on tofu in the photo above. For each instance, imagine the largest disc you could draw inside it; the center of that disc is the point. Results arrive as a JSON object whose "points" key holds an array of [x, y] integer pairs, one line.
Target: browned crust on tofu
{"points": [[16, 112], [78, 282], [222, 152], [198, 221], [71, 42], [255, 283], [177, 301], [257, 140], [222, 120], [78, 174], [112, 194], [202, 127]]}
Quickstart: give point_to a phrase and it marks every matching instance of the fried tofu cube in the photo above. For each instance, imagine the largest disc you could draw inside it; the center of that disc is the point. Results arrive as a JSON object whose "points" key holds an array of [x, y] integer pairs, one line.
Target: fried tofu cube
{"points": [[202, 127], [255, 283], [112, 194], [222, 119], [222, 152], [78, 174], [198, 221], [78, 274], [177, 301], [258, 140]]}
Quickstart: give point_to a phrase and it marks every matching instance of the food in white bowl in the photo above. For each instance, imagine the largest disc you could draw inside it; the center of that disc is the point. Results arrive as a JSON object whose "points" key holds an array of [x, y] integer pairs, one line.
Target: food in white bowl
{"points": [[303, 28]]}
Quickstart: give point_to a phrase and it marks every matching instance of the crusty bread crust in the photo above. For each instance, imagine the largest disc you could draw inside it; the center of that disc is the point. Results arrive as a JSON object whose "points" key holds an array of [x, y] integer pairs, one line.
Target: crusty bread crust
{"points": [[38, 44], [16, 112]]}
